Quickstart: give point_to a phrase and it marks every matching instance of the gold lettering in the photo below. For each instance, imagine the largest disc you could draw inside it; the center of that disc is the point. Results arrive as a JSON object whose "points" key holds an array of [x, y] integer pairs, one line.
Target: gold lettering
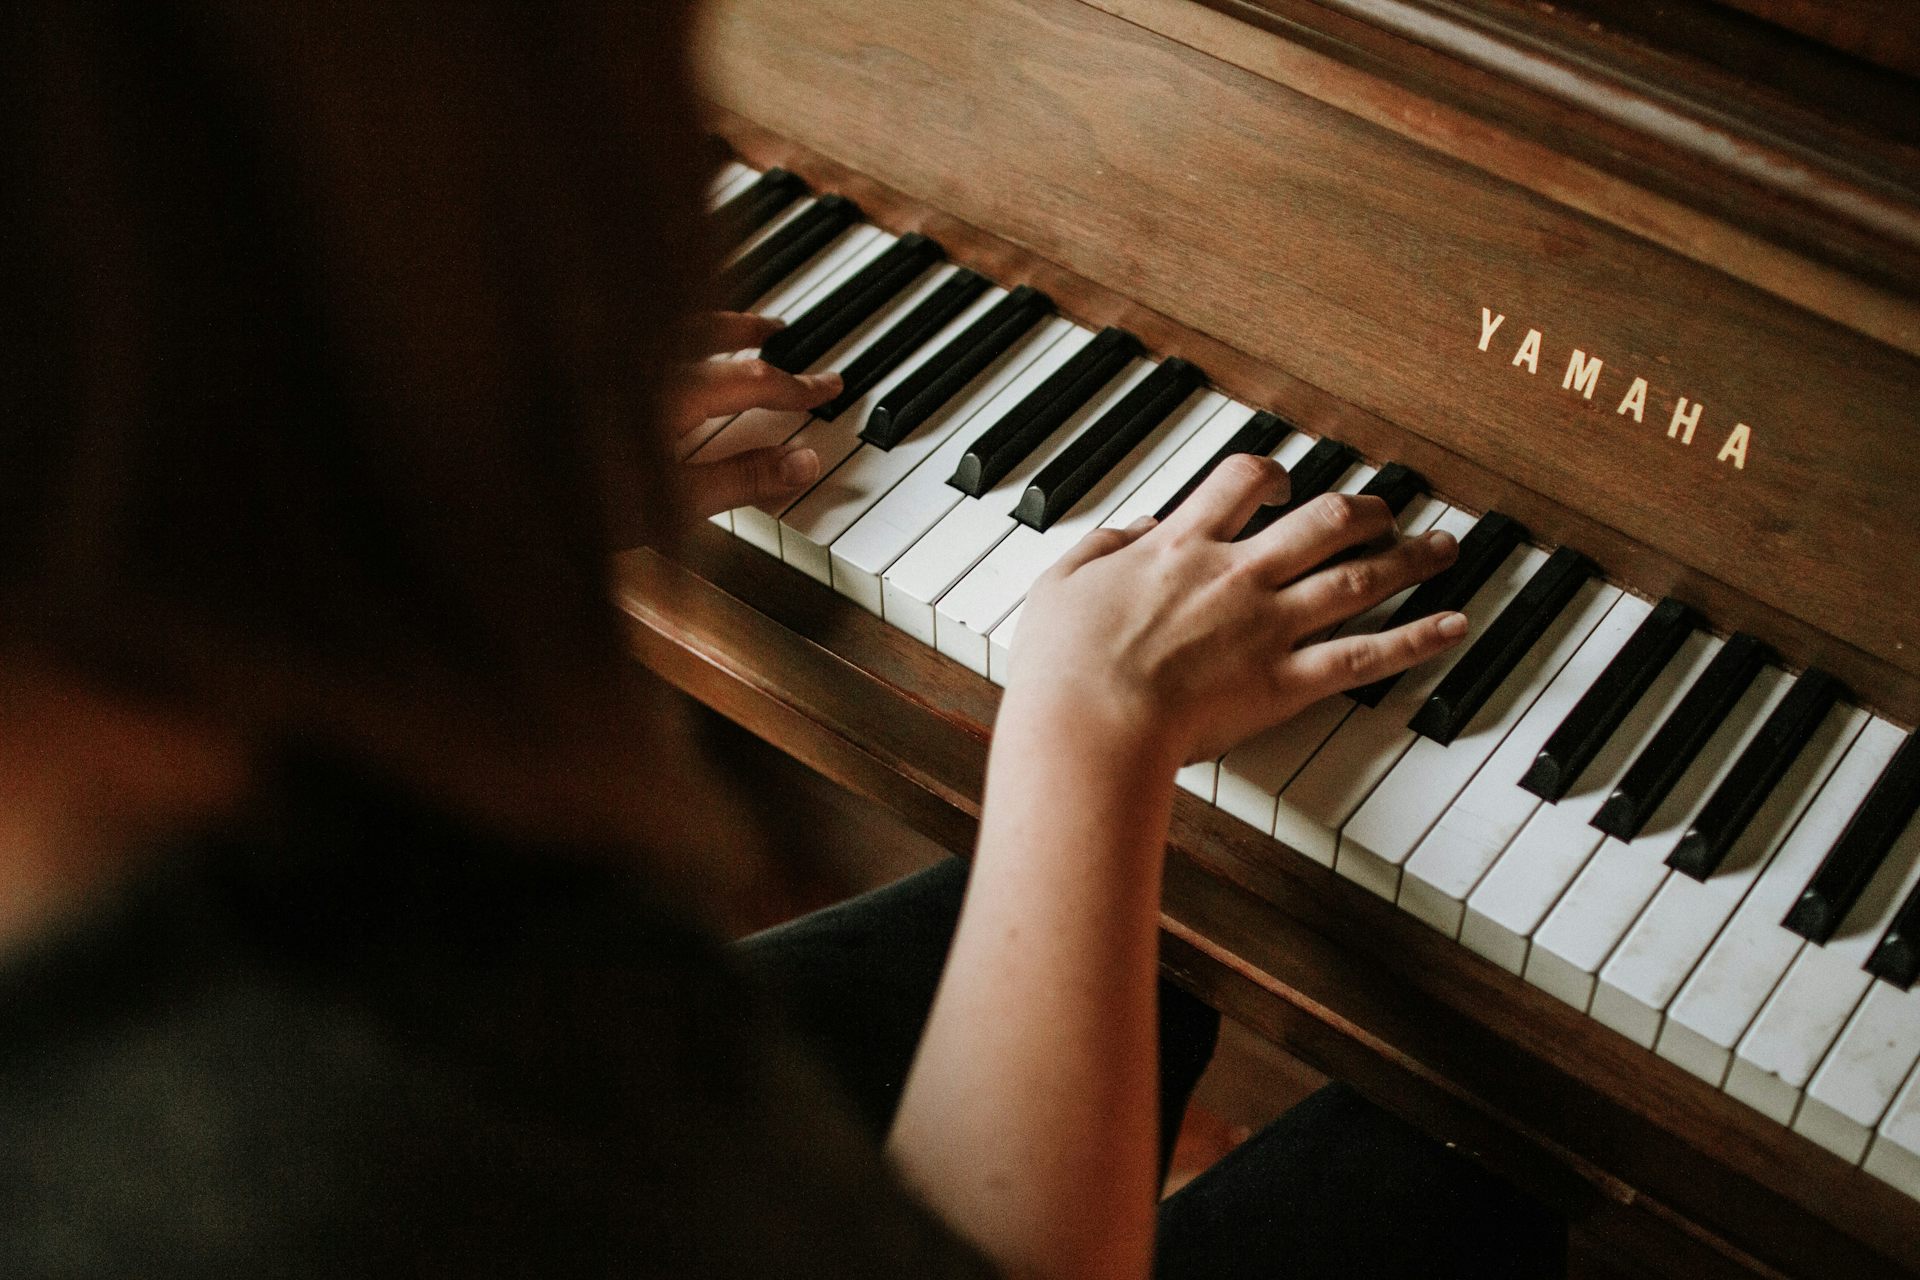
{"points": [[1635, 402], [1529, 352], [1583, 375], [1684, 421], [1489, 322], [1736, 446]]}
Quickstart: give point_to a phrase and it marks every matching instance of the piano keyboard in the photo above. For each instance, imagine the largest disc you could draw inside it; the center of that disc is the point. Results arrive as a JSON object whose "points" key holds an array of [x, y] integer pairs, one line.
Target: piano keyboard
{"points": [[1709, 855]]}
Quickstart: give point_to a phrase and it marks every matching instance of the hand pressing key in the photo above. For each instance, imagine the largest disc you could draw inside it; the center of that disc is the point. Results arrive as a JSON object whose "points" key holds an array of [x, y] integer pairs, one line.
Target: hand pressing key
{"points": [[713, 388], [1176, 639]]}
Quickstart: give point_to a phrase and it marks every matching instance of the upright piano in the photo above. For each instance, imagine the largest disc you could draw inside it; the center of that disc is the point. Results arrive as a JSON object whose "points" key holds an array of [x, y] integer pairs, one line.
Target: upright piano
{"points": [[1624, 895]]}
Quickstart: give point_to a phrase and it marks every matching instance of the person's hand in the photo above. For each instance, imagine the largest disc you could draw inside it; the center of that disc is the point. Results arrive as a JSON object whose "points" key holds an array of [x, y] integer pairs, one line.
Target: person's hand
{"points": [[715, 388], [1176, 640]]}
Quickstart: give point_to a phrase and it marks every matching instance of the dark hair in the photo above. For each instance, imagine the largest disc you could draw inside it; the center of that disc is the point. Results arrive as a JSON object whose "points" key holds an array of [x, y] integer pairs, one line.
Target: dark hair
{"points": [[330, 336]]}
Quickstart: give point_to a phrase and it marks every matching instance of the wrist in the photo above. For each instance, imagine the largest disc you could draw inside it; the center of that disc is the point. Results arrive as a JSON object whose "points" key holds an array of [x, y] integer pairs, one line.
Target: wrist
{"points": [[1103, 729]]}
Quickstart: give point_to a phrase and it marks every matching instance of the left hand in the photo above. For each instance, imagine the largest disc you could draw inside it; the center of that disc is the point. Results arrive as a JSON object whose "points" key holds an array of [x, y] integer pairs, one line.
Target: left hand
{"points": [[714, 388]]}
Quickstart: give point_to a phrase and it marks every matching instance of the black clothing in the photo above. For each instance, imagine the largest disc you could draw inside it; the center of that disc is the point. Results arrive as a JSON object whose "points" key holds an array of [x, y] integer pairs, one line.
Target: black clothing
{"points": [[1333, 1190], [368, 1041], [362, 1039]]}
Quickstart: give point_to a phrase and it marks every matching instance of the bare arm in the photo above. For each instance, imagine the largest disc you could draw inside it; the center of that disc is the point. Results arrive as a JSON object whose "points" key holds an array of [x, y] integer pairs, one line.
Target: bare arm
{"points": [[1030, 1116]]}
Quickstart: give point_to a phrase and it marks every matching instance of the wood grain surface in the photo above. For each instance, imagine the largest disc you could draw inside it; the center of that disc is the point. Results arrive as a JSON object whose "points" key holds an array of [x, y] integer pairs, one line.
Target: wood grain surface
{"points": [[1627, 1144], [1357, 262]]}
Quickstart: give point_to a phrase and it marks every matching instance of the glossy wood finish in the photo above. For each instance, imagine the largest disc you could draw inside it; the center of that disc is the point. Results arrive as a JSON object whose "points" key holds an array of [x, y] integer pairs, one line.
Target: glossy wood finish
{"points": [[1638, 1151], [1313, 200], [1357, 262]]}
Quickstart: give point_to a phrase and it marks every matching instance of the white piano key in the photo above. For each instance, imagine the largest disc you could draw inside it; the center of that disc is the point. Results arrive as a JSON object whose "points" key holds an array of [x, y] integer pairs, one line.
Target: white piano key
{"points": [[1674, 932], [848, 252], [1153, 492], [1145, 500], [1746, 961], [848, 488], [1198, 778], [732, 179], [917, 502], [1252, 775], [1347, 767], [1620, 879], [992, 589], [974, 526], [834, 439], [1429, 778], [1804, 1016], [1858, 1078], [1485, 818], [1894, 1156], [1556, 841]]}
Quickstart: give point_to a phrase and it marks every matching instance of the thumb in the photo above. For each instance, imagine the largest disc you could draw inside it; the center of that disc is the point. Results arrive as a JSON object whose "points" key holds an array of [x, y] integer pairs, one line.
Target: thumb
{"points": [[751, 477]]}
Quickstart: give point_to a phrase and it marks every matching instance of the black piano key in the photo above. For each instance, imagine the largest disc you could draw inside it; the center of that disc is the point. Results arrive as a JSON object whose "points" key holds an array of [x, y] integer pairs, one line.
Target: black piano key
{"points": [[919, 395], [1754, 775], [1573, 745], [1307, 479], [755, 207], [1675, 744], [765, 265], [904, 337], [1095, 451], [1897, 957], [1858, 853], [1007, 443], [1471, 681], [1484, 549], [1261, 434], [1396, 485], [826, 323]]}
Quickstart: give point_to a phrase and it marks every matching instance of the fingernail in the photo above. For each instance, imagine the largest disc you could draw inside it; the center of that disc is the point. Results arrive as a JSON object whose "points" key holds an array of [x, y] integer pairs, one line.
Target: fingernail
{"points": [[1143, 524], [1441, 540], [830, 382], [1453, 625], [800, 466]]}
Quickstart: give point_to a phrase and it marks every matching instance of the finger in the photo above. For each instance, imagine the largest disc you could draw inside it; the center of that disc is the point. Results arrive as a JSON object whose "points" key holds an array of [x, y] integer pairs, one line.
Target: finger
{"points": [[1331, 595], [1316, 532], [1351, 661], [750, 478], [718, 331], [714, 388], [1101, 542], [1227, 499]]}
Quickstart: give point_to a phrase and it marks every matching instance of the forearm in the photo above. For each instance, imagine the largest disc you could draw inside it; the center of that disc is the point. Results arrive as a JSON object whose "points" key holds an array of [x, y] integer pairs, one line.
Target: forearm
{"points": [[1030, 1117]]}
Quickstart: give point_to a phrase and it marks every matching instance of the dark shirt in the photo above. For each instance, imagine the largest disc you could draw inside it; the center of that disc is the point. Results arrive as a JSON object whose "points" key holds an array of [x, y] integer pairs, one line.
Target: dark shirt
{"points": [[363, 1039]]}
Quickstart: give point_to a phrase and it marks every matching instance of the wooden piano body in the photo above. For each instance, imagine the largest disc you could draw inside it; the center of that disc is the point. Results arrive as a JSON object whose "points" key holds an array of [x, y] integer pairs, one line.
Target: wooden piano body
{"points": [[1648, 282]]}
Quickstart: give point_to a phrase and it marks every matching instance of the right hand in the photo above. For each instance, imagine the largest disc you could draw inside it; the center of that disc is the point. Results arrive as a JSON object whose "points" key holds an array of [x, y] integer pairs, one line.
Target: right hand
{"points": [[1177, 641]]}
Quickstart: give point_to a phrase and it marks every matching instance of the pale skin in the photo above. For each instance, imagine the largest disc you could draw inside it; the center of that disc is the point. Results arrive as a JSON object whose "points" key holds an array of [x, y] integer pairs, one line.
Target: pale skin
{"points": [[1030, 1116]]}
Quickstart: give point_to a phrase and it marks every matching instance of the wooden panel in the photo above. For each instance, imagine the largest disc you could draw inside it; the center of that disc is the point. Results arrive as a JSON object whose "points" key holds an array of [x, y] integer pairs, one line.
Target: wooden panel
{"points": [[1462, 481], [1359, 262], [1620, 1139], [1560, 134]]}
